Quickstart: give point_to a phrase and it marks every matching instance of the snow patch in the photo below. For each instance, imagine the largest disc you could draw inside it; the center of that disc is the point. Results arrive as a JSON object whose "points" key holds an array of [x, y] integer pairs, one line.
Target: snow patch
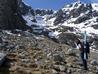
{"points": [[54, 34], [95, 6], [28, 19], [90, 30], [51, 22], [8, 32]]}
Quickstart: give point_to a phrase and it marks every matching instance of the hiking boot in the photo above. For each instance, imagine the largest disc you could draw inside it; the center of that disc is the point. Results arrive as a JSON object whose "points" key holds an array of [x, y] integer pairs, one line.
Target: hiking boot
{"points": [[85, 69]]}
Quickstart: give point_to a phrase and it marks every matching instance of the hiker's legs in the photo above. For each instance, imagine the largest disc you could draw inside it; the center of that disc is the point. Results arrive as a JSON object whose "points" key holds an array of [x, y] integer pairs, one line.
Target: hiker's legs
{"points": [[81, 55], [84, 61], [85, 64]]}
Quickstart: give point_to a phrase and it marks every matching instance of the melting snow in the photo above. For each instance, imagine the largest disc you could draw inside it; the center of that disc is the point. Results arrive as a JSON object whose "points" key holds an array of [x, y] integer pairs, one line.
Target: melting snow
{"points": [[54, 34], [81, 26], [90, 30], [51, 22], [28, 18]]}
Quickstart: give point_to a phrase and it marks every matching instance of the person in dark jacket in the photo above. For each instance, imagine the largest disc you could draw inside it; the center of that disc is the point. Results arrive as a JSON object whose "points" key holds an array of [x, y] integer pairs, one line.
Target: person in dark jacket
{"points": [[84, 51]]}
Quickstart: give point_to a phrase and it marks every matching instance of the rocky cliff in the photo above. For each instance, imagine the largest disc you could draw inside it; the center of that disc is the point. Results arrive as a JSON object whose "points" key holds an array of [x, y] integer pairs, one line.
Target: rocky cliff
{"points": [[10, 17]]}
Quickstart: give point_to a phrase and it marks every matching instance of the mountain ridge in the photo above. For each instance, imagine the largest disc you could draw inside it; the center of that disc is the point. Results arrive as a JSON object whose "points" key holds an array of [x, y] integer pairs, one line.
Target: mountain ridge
{"points": [[73, 18]]}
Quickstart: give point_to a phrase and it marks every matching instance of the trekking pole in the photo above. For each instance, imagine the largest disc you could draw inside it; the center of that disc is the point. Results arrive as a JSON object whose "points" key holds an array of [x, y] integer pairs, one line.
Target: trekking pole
{"points": [[84, 41]]}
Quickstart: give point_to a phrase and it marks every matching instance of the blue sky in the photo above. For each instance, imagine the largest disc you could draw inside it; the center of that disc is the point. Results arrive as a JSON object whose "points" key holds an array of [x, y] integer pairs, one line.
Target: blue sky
{"points": [[52, 4]]}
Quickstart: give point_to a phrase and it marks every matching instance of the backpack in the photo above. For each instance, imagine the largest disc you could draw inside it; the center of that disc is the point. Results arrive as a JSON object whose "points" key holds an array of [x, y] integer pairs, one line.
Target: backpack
{"points": [[86, 47]]}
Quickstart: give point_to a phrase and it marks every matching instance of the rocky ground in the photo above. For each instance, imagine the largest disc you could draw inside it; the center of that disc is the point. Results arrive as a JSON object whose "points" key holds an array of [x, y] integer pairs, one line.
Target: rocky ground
{"points": [[31, 54]]}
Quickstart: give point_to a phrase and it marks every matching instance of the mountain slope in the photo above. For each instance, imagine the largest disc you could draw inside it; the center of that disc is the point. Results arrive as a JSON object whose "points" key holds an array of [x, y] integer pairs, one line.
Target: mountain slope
{"points": [[80, 16], [72, 19], [75, 19], [37, 53]]}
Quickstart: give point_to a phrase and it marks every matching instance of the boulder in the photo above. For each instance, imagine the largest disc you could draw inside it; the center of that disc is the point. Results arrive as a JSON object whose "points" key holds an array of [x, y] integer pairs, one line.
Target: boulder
{"points": [[54, 71], [67, 38], [62, 68], [94, 62], [58, 58], [2, 58], [69, 71], [71, 52]]}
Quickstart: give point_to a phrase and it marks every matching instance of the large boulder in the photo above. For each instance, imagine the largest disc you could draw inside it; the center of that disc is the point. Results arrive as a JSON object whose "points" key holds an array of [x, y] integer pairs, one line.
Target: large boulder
{"points": [[67, 38], [94, 62]]}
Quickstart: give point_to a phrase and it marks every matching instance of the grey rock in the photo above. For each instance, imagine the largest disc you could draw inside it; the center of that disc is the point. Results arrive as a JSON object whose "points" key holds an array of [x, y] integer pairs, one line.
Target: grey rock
{"points": [[69, 71], [63, 73], [96, 69], [69, 64], [62, 68], [2, 58], [54, 71], [57, 57], [1, 40], [67, 38], [56, 67], [71, 51], [94, 62]]}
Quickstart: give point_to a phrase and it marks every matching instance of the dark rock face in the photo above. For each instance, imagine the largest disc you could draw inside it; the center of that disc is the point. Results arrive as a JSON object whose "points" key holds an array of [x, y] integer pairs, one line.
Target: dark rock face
{"points": [[25, 9], [9, 16], [96, 42], [82, 19], [95, 26], [82, 9], [43, 12], [95, 13], [61, 16]]}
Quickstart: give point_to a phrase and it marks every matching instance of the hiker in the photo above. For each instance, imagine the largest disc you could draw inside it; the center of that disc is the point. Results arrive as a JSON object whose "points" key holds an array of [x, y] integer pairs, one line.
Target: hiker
{"points": [[84, 50]]}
